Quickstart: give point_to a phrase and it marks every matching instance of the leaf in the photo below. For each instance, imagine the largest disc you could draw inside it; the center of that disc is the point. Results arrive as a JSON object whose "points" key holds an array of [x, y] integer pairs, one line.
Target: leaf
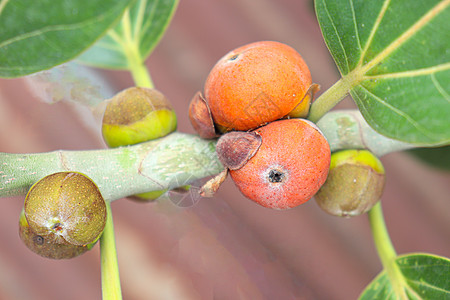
{"points": [[425, 276], [38, 35], [393, 55], [436, 157], [134, 37]]}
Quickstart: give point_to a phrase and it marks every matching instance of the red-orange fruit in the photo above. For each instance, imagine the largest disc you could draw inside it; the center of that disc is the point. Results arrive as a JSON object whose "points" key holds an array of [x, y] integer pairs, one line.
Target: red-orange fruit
{"points": [[256, 84], [289, 167]]}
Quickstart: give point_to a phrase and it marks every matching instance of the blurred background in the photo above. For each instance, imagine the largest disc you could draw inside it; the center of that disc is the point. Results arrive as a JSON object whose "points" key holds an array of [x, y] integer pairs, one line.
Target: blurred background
{"points": [[226, 247]]}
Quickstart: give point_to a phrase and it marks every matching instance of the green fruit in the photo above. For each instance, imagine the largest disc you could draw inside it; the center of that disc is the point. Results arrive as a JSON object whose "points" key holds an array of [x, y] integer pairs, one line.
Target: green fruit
{"points": [[148, 196], [355, 183], [153, 195], [137, 115], [65, 208], [45, 247]]}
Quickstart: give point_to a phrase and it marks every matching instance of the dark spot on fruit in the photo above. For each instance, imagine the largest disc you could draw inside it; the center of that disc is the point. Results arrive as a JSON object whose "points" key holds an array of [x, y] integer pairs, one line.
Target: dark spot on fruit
{"points": [[38, 240], [276, 176], [234, 57], [57, 227]]}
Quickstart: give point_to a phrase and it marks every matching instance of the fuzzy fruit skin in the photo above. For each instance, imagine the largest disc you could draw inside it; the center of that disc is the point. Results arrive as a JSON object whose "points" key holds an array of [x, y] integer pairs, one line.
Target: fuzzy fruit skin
{"points": [[289, 167], [256, 84], [66, 208], [46, 248], [355, 183], [137, 115]]}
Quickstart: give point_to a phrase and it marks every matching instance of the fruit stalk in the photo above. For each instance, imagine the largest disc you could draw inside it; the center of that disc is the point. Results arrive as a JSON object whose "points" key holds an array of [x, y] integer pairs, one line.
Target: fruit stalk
{"points": [[386, 250], [111, 289], [331, 97]]}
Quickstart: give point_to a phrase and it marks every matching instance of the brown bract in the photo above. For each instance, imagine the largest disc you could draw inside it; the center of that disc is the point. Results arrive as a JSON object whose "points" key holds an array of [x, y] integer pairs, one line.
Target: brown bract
{"points": [[235, 148], [289, 167], [256, 84], [200, 117]]}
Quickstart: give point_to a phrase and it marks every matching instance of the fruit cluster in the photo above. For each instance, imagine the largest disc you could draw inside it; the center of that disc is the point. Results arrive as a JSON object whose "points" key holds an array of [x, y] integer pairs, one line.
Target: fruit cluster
{"points": [[256, 97]]}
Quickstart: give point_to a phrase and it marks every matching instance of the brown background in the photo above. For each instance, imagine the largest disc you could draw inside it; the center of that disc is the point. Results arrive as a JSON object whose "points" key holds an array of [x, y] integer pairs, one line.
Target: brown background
{"points": [[226, 247]]}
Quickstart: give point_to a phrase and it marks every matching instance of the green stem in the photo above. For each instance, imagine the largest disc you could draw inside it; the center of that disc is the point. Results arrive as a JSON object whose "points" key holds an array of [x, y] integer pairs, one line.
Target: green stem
{"points": [[111, 289], [333, 95], [136, 63], [138, 69], [386, 250], [157, 164], [110, 270]]}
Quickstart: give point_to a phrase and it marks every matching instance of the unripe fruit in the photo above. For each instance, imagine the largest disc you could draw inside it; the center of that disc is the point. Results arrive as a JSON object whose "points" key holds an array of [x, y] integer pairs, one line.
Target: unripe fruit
{"points": [[355, 183], [65, 208], [290, 165], [256, 84], [148, 196], [45, 247], [137, 115]]}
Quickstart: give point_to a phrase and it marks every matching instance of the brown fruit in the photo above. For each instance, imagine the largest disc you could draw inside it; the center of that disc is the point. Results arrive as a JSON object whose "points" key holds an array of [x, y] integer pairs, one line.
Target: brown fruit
{"points": [[256, 84], [289, 167]]}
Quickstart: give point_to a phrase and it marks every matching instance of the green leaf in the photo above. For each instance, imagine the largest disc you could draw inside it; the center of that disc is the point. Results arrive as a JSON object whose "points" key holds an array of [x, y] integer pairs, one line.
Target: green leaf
{"points": [[436, 157], [134, 38], [393, 56], [425, 276], [38, 35]]}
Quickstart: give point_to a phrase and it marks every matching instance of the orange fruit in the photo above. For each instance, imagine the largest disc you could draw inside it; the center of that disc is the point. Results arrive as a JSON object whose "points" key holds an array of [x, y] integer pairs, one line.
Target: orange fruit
{"points": [[289, 167], [256, 84]]}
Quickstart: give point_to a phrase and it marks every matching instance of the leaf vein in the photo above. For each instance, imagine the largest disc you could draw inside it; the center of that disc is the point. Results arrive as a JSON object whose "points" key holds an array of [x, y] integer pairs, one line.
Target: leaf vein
{"points": [[374, 30], [426, 284], [150, 18], [139, 19], [431, 14], [411, 73], [402, 114], [440, 88], [53, 28], [2, 5], [338, 36], [358, 39]]}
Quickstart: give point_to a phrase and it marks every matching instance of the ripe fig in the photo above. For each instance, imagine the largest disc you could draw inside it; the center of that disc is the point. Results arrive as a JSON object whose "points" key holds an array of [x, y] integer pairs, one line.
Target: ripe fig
{"points": [[256, 84], [355, 183], [65, 208], [283, 164], [137, 115]]}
